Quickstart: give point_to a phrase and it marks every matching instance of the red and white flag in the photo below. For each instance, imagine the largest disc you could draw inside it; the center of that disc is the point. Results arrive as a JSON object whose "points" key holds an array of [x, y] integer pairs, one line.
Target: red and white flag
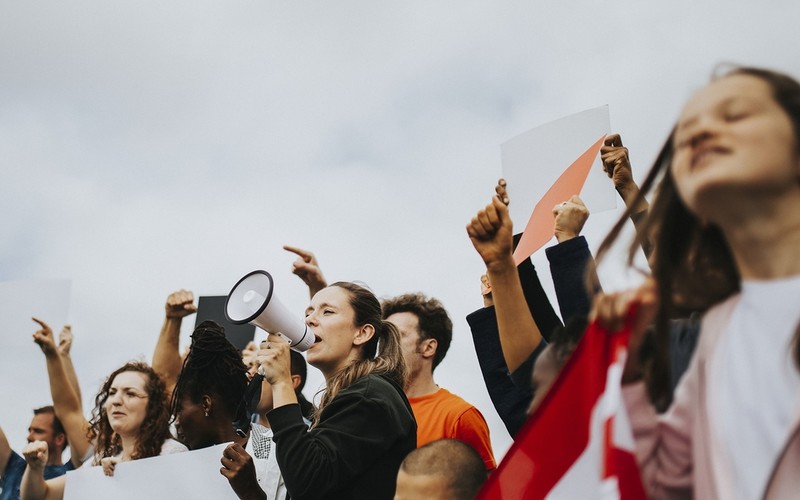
{"points": [[578, 443]]}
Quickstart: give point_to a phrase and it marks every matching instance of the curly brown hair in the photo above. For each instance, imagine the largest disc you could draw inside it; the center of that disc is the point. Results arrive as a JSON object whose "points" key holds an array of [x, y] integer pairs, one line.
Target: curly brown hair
{"points": [[155, 427]]}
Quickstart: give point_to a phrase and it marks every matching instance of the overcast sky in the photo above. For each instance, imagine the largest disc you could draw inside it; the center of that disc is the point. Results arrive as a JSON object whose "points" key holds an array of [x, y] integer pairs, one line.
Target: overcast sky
{"points": [[150, 146]]}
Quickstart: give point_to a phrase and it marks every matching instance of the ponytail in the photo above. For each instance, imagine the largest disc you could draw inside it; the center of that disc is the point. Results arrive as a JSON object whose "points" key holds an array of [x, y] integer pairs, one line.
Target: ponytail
{"points": [[381, 354]]}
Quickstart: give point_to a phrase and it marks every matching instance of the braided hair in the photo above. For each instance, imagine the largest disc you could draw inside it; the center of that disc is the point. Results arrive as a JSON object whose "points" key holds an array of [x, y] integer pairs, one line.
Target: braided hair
{"points": [[213, 367]]}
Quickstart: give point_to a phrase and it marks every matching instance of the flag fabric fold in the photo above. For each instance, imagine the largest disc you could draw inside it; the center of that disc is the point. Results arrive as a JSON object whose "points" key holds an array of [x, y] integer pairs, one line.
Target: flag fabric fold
{"points": [[578, 443]]}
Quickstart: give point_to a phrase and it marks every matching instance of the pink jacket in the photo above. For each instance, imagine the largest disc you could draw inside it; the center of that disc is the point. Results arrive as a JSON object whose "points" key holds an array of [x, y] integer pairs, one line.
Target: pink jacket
{"points": [[676, 450]]}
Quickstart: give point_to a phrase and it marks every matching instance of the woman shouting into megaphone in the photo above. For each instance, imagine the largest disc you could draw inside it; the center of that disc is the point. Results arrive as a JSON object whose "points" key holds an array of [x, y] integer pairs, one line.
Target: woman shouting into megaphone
{"points": [[364, 426]]}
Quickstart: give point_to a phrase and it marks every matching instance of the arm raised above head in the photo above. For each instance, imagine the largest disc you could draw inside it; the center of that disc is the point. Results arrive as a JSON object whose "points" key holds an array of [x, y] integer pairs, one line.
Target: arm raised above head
{"points": [[491, 234]]}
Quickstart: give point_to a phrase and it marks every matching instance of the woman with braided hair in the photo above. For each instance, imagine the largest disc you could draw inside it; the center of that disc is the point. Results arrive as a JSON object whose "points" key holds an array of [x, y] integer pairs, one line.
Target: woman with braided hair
{"points": [[364, 427], [209, 406]]}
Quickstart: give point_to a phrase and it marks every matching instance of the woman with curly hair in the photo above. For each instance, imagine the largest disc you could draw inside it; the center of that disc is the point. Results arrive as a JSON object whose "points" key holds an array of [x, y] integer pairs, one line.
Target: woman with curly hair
{"points": [[130, 421]]}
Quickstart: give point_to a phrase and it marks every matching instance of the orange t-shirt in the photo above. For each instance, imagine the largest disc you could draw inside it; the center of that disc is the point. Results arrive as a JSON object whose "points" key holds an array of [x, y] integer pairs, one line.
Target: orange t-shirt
{"points": [[443, 415]]}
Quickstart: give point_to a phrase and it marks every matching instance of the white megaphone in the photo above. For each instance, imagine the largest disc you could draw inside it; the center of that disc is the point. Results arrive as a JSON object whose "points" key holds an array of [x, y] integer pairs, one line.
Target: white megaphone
{"points": [[252, 300]]}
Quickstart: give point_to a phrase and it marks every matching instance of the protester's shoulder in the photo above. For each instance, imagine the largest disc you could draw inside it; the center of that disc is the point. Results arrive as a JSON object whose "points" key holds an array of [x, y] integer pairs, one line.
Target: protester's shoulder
{"points": [[16, 464], [171, 446], [454, 401], [375, 388]]}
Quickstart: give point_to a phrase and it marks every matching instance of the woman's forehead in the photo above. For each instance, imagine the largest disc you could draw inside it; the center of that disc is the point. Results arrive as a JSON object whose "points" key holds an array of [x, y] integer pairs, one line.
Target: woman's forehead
{"points": [[129, 379], [726, 89], [332, 295]]}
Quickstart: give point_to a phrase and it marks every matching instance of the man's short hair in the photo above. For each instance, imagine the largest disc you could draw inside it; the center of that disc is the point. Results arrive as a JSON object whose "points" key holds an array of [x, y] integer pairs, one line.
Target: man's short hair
{"points": [[456, 461], [434, 323]]}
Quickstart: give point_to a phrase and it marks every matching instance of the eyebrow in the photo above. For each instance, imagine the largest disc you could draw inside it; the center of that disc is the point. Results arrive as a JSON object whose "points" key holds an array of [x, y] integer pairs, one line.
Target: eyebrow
{"points": [[725, 102], [127, 388], [321, 306]]}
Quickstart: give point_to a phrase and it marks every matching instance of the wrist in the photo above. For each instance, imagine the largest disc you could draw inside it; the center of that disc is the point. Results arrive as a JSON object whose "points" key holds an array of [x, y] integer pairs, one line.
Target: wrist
{"points": [[629, 189], [564, 236], [501, 264]]}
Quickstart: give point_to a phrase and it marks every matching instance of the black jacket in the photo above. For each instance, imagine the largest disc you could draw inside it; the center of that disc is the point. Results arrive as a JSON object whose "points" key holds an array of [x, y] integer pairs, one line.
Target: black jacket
{"points": [[356, 449]]}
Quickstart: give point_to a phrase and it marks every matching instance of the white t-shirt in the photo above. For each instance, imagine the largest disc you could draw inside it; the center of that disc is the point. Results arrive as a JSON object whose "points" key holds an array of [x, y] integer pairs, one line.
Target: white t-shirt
{"points": [[171, 446], [754, 386], [261, 447]]}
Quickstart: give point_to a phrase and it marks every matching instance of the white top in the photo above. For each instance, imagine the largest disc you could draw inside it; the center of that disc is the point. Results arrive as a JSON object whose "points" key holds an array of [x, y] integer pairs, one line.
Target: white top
{"points": [[171, 446], [756, 386], [261, 447]]}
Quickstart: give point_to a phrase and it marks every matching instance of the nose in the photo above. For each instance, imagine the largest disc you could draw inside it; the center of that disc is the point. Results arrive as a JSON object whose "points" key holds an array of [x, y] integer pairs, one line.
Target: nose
{"points": [[699, 137], [311, 319], [705, 128], [31, 437], [115, 399]]}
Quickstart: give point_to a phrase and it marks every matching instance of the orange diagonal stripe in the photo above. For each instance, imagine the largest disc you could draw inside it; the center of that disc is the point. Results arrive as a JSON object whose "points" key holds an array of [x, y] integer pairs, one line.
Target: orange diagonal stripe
{"points": [[540, 226]]}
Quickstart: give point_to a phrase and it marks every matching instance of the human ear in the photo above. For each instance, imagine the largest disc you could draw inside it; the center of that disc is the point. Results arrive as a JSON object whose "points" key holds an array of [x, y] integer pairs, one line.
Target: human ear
{"points": [[206, 403], [363, 334], [429, 347], [296, 381]]}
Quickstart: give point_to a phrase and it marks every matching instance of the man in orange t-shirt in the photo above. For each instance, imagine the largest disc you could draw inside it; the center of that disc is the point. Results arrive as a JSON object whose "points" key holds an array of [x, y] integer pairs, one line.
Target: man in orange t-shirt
{"points": [[426, 331]]}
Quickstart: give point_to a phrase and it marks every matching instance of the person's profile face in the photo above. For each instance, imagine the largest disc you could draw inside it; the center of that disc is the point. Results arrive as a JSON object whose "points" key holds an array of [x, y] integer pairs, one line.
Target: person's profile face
{"points": [[407, 324], [41, 429], [331, 319], [194, 428], [733, 141]]}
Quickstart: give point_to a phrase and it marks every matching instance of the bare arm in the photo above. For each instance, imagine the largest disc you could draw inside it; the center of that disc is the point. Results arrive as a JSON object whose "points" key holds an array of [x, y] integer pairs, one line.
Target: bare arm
{"points": [[491, 234], [307, 268], [64, 347], [33, 486], [167, 360], [65, 400], [5, 451], [617, 166]]}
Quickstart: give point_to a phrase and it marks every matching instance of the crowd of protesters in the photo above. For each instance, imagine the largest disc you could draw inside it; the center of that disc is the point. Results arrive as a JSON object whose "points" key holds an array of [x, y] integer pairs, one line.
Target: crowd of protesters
{"points": [[711, 381]]}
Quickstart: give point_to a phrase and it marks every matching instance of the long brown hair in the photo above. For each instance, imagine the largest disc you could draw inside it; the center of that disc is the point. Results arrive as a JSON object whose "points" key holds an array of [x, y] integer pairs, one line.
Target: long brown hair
{"points": [[691, 262], [155, 427], [381, 354]]}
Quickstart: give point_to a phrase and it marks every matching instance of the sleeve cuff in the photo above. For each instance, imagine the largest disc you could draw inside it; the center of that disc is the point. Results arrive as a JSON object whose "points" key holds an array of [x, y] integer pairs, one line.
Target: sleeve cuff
{"points": [[284, 418], [567, 250]]}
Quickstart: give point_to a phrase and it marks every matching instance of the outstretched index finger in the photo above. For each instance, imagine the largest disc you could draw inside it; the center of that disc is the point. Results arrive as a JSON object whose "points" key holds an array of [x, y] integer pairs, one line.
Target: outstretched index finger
{"points": [[304, 254]]}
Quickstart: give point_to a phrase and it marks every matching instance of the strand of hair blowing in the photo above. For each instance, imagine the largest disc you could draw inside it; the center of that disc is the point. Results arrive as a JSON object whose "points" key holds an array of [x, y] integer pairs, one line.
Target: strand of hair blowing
{"points": [[386, 343]]}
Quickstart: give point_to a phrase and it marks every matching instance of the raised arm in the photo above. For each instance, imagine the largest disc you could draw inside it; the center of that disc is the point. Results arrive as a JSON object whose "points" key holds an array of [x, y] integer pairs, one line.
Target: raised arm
{"points": [[5, 451], [617, 166], [167, 360], [66, 403], [491, 234], [307, 268], [570, 259], [64, 348], [33, 486]]}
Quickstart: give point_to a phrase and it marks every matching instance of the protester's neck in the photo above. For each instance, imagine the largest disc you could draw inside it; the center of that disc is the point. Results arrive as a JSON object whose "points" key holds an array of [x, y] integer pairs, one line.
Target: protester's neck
{"points": [[421, 384], [765, 243], [128, 447], [54, 458], [226, 434]]}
